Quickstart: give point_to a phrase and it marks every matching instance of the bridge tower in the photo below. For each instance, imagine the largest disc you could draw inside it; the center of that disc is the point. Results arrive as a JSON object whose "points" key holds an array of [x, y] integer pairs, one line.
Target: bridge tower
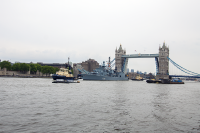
{"points": [[118, 60], [163, 70]]}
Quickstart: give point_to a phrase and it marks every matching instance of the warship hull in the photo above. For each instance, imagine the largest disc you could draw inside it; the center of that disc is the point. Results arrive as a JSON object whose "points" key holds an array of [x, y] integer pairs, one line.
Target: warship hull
{"points": [[103, 78]]}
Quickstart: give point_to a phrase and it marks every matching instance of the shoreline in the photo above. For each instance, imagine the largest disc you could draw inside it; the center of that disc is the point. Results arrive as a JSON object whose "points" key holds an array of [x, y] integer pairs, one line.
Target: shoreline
{"points": [[11, 76]]}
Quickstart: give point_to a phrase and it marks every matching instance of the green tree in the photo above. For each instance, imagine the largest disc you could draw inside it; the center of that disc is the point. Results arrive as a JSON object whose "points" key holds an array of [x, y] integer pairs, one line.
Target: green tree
{"points": [[48, 70], [44, 70], [16, 67], [39, 67], [56, 69], [51, 70], [33, 68], [5, 64], [24, 67]]}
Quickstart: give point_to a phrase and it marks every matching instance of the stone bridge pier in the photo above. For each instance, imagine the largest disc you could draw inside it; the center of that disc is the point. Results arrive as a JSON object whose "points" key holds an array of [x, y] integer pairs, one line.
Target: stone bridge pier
{"points": [[163, 69]]}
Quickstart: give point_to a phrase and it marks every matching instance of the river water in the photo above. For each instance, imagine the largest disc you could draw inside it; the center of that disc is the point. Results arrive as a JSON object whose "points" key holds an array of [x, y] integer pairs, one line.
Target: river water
{"points": [[38, 105]]}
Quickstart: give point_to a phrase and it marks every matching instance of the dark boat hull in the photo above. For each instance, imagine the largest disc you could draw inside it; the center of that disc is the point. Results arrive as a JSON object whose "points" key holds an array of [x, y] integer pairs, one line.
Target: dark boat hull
{"points": [[55, 76], [164, 81], [176, 82], [153, 81], [137, 79], [103, 78], [65, 81]]}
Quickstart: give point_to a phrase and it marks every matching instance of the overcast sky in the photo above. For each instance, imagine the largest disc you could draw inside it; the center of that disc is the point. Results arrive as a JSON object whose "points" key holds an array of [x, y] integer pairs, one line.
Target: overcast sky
{"points": [[50, 31]]}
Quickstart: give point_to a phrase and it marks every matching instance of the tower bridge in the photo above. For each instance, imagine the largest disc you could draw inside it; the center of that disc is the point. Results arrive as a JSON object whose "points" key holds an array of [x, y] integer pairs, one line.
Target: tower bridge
{"points": [[161, 60]]}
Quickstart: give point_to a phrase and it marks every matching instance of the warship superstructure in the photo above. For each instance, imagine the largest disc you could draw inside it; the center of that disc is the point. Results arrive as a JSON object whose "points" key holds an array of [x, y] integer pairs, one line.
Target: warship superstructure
{"points": [[104, 73]]}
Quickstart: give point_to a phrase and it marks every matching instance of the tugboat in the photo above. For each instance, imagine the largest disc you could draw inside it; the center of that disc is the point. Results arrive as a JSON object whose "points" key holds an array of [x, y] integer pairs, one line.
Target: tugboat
{"points": [[138, 78], [64, 76]]}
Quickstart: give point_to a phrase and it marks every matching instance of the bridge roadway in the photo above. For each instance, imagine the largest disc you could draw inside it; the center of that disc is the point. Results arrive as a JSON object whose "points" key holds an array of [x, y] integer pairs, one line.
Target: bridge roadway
{"points": [[140, 56], [184, 76]]}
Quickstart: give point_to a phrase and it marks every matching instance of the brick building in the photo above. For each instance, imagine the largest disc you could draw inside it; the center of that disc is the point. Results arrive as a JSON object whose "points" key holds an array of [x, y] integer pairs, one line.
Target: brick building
{"points": [[90, 65]]}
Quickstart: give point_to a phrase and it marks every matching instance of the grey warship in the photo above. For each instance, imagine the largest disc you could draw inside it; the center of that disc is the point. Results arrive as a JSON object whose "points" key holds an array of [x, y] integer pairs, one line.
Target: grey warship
{"points": [[104, 73]]}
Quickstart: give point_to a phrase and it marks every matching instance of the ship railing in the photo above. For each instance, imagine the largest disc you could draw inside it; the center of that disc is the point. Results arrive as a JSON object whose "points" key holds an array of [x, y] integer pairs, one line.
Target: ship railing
{"points": [[83, 71], [111, 63]]}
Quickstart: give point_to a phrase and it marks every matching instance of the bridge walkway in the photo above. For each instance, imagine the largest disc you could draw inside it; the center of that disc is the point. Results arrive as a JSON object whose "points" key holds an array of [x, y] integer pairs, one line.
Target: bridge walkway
{"points": [[140, 56]]}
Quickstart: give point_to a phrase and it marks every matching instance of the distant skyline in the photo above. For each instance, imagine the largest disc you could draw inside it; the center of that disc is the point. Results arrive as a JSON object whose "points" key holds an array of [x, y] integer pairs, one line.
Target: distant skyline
{"points": [[50, 31]]}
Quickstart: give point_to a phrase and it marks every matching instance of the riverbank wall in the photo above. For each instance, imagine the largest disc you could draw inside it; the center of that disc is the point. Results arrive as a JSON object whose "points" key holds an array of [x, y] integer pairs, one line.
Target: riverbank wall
{"points": [[5, 73]]}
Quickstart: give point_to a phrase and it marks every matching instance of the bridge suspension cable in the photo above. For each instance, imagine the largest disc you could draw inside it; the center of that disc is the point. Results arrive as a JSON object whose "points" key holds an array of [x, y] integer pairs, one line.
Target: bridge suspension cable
{"points": [[181, 68], [83, 71], [112, 61], [123, 69], [112, 65], [157, 65]]}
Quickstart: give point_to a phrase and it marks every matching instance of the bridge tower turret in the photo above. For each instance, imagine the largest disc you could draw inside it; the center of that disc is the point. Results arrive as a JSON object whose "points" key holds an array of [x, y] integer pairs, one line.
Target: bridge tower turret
{"points": [[163, 62], [118, 60]]}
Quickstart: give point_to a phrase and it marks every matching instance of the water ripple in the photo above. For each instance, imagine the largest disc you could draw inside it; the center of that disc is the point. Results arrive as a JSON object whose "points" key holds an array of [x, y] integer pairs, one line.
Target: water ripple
{"points": [[37, 105]]}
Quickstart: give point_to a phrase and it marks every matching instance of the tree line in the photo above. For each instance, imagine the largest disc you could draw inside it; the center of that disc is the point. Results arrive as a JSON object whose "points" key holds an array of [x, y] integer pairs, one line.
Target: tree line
{"points": [[23, 67]]}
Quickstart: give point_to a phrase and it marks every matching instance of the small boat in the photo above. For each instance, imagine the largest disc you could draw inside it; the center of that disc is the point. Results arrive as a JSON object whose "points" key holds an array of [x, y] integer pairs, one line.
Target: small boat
{"points": [[138, 78], [79, 76], [176, 81], [64, 76]]}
